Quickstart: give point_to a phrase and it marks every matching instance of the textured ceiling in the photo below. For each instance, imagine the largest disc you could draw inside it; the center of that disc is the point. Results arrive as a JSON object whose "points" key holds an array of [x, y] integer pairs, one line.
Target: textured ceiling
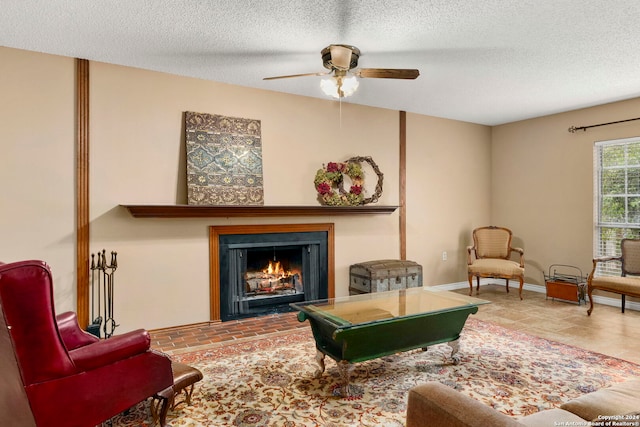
{"points": [[481, 61]]}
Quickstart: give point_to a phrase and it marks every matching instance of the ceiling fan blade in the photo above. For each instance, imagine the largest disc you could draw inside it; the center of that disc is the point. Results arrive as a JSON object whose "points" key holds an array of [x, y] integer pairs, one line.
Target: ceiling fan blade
{"points": [[387, 73], [297, 75]]}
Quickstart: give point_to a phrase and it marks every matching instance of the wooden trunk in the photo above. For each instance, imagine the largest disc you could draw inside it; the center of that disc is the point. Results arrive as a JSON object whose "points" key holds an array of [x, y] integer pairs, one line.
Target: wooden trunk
{"points": [[384, 275]]}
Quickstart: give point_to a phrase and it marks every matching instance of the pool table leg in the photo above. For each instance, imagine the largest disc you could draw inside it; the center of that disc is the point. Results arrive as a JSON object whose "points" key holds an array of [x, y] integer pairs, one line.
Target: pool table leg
{"points": [[320, 361], [455, 347]]}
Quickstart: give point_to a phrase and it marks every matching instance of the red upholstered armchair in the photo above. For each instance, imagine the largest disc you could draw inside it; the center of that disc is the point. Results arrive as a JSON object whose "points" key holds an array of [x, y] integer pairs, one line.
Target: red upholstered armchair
{"points": [[53, 373]]}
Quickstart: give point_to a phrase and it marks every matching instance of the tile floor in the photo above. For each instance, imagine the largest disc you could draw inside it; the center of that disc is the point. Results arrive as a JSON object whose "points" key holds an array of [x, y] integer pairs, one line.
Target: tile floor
{"points": [[606, 331]]}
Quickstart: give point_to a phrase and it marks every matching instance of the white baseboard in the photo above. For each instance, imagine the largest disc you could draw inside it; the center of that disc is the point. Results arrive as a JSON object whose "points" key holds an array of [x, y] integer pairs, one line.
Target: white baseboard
{"points": [[614, 302]]}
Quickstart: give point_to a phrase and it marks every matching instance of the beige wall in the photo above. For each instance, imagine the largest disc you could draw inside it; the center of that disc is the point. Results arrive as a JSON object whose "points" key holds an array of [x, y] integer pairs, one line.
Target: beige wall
{"points": [[137, 157], [532, 176], [448, 193], [37, 171], [543, 184]]}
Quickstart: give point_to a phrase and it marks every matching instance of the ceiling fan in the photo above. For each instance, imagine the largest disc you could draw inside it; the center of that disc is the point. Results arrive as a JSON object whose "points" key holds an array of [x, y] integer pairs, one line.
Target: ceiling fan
{"points": [[341, 60]]}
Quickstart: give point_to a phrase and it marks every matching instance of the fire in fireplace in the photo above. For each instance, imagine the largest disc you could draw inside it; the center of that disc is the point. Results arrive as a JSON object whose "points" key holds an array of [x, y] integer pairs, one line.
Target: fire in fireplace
{"points": [[272, 280], [263, 273]]}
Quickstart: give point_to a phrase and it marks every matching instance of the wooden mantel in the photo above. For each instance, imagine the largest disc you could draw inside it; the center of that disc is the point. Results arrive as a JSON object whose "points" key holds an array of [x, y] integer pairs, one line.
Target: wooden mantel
{"points": [[196, 211]]}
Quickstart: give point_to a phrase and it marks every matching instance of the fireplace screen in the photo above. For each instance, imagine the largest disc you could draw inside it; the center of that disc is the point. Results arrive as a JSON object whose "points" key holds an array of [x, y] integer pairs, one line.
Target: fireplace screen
{"points": [[265, 275]]}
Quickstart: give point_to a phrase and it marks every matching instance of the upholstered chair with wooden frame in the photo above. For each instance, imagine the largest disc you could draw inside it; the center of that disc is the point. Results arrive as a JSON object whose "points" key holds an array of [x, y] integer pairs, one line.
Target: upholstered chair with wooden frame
{"points": [[490, 256], [630, 266]]}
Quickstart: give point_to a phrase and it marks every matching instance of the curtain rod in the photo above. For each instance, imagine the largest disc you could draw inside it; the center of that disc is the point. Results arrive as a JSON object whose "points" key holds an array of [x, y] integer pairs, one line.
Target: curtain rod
{"points": [[574, 129]]}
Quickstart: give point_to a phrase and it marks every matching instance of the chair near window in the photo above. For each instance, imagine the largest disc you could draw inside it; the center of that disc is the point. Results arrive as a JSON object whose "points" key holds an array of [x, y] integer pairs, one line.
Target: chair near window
{"points": [[630, 266], [492, 257]]}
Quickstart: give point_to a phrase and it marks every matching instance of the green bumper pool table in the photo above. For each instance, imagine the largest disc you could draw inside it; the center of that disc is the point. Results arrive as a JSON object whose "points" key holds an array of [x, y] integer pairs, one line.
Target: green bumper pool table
{"points": [[362, 327]]}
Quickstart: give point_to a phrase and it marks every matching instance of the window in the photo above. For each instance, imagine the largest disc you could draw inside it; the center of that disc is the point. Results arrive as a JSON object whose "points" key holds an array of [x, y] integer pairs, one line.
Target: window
{"points": [[617, 172]]}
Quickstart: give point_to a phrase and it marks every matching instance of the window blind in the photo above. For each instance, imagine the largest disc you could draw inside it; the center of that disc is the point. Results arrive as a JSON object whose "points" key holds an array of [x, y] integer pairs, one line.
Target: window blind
{"points": [[617, 188]]}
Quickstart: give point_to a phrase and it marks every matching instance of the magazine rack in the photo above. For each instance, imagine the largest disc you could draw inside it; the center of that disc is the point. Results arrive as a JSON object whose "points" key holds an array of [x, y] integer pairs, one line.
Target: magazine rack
{"points": [[566, 282]]}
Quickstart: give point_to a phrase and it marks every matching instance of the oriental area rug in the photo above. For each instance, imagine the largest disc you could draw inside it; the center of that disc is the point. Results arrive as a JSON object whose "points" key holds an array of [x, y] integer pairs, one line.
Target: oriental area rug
{"points": [[270, 381]]}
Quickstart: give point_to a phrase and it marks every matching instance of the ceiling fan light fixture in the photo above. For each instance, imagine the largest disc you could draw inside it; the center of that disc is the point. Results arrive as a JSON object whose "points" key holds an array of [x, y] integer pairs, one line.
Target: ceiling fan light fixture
{"points": [[339, 86], [340, 56]]}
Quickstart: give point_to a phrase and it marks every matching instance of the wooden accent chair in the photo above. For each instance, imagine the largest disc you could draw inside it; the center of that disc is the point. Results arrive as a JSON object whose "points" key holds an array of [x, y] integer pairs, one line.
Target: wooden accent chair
{"points": [[491, 257], [623, 285]]}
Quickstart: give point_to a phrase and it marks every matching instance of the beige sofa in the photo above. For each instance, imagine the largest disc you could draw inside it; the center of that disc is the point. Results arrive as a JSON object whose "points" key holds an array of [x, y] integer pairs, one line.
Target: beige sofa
{"points": [[435, 404]]}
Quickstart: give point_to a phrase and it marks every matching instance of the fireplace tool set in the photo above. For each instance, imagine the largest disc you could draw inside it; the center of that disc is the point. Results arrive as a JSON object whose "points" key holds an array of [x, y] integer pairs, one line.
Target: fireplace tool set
{"points": [[102, 275]]}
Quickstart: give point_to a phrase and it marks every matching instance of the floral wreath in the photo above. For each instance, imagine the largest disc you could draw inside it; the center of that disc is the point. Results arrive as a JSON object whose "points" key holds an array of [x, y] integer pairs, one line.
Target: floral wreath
{"points": [[330, 179]]}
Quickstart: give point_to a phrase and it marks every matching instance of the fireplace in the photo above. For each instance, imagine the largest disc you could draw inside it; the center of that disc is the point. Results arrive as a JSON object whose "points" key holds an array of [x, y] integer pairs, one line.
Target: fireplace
{"points": [[259, 270]]}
